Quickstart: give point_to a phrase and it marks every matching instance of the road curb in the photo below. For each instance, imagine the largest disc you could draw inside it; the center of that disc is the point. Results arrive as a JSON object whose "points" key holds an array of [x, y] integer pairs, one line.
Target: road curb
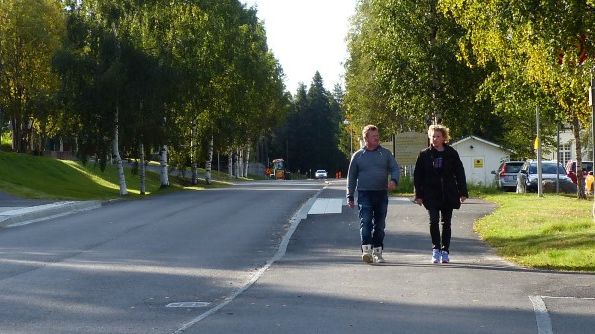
{"points": [[46, 211]]}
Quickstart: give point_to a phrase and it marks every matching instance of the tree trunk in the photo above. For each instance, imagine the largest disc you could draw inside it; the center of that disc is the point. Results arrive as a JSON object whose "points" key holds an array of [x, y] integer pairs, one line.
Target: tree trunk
{"points": [[238, 162], [580, 179], [230, 163], [247, 161], [163, 164], [16, 134], [209, 162], [193, 155], [141, 168], [121, 176]]}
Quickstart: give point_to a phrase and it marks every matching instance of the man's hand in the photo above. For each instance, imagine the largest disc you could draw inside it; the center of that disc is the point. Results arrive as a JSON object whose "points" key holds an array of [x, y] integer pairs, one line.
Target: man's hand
{"points": [[350, 204], [392, 185], [418, 201], [463, 198]]}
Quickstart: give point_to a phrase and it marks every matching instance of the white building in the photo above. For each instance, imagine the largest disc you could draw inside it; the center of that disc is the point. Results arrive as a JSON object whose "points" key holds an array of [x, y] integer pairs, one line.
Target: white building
{"points": [[480, 157], [567, 149]]}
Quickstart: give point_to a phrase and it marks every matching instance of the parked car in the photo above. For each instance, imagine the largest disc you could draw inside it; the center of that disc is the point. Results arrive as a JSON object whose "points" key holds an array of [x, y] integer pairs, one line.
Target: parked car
{"points": [[571, 169], [527, 176], [320, 174], [507, 173]]}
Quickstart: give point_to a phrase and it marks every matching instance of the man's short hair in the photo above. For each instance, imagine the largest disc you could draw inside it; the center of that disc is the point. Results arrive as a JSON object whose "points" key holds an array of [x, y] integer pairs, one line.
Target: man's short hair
{"points": [[367, 129]]}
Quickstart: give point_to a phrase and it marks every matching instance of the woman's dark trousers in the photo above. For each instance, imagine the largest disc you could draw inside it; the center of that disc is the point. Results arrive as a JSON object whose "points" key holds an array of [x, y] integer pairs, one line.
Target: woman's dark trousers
{"points": [[440, 241]]}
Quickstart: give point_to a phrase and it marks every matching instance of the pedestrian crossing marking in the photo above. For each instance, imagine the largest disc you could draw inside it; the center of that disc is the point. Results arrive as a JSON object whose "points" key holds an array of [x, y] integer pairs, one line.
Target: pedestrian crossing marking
{"points": [[326, 205]]}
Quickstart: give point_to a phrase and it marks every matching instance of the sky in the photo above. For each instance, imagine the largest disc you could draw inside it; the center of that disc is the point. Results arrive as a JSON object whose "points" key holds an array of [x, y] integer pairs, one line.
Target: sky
{"points": [[307, 36]]}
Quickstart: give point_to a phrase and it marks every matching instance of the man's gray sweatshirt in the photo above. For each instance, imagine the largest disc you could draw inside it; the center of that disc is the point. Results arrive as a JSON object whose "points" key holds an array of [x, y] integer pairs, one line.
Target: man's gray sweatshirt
{"points": [[368, 170]]}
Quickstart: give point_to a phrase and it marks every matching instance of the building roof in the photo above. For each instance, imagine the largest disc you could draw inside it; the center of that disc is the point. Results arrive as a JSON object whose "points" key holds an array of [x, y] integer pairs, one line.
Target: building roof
{"points": [[458, 142]]}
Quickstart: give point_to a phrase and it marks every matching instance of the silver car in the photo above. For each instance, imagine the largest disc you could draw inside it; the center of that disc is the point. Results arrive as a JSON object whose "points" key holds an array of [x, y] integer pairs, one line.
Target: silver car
{"points": [[507, 173], [549, 171]]}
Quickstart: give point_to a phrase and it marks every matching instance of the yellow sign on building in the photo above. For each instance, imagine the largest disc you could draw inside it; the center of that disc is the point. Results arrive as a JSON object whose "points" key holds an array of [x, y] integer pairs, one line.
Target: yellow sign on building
{"points": [[477, 163]]}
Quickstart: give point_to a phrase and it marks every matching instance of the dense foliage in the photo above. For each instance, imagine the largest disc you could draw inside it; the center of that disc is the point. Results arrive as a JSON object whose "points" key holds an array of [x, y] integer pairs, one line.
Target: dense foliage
{"points": [[174, 73], [482, 67], [403, 72]]}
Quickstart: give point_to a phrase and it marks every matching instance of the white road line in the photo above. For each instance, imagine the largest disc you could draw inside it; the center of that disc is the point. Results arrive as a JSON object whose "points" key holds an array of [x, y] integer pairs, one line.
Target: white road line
{"points": [[544, 323], [58, 215], [294, 222], [577, 298]]}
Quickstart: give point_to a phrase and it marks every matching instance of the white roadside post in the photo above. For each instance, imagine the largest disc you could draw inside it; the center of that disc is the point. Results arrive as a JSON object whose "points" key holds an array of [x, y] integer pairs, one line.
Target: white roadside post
{"points": [[539, 175]]}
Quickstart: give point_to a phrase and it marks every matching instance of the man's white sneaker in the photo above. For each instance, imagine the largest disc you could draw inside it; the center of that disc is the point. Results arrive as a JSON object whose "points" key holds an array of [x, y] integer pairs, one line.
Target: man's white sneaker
{"points": [[377, 255], [436, 254], [367, 253]]}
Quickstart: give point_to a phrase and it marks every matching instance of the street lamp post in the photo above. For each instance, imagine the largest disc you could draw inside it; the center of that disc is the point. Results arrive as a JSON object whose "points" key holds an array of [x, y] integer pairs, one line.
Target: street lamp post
{"points": [[346, 122]]}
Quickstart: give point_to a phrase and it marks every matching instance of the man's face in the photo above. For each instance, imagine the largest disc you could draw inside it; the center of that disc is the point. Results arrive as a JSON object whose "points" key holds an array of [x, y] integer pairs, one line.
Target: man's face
{"points": [[372, 139]]}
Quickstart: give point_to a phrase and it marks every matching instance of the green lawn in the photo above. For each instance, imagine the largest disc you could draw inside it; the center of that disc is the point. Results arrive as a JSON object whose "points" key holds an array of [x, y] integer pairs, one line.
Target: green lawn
{"points": [[553, 232]]}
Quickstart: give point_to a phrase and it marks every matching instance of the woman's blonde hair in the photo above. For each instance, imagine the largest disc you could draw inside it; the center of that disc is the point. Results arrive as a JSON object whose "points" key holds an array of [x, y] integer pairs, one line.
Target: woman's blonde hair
{"points": [[439, 127]]}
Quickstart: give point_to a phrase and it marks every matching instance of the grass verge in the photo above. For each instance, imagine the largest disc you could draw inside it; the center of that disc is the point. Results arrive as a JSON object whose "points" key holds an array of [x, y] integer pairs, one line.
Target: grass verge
{"points": [[553, 232], [29, 176]]}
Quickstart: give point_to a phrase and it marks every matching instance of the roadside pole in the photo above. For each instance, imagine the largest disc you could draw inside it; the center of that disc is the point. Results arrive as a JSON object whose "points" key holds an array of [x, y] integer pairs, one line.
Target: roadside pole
{"points": [[538, 140], [558, 157], [592, 105]]}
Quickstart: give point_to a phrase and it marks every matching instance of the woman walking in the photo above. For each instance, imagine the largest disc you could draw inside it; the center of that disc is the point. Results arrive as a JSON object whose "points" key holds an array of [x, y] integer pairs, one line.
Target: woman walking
{"points": [[440, 185]]}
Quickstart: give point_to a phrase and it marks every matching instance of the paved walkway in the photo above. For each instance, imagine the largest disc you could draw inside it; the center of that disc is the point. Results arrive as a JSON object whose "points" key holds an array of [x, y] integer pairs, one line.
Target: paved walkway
{"points": [[14, 210]]}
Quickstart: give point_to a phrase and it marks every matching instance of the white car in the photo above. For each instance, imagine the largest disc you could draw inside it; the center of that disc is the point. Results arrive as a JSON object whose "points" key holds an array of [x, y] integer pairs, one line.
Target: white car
{"points": [[321, 174]]}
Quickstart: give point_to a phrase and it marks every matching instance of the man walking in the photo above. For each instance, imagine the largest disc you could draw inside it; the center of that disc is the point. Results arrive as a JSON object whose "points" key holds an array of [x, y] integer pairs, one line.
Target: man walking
{"points": [[368, 172]]}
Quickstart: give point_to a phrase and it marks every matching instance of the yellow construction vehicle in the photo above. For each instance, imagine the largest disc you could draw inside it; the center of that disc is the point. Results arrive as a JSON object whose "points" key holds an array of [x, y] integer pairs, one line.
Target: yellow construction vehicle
{"points": [[279, 171]]}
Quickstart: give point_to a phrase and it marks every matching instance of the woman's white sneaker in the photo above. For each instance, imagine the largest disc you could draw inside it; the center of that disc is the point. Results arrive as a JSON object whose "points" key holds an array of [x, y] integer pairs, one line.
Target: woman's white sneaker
{"points": [[436, 254], [444, 258]]}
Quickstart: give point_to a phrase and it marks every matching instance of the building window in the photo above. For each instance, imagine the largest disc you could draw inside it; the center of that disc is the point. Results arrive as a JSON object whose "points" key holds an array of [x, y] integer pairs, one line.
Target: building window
{"points": [[564, 153]]}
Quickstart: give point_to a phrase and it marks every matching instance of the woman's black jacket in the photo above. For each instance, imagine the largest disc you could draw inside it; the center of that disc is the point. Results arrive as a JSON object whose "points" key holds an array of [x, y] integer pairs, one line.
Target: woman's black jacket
{"points": [[440, 189]]}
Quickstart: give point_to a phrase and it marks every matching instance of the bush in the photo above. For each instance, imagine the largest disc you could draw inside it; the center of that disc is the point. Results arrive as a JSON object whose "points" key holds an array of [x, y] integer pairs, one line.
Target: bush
{"points": [[405, 185], [475, 190], [479, 190]]}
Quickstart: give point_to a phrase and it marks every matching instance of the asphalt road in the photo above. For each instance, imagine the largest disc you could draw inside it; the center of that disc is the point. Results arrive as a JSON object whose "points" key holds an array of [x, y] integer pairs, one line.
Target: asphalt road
{"points": [[321, 286], [117, 269]]}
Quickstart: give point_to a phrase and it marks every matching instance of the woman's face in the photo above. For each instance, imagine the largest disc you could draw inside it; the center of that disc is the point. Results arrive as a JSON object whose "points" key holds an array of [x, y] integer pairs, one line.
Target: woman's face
{"points": [[437, 139]]}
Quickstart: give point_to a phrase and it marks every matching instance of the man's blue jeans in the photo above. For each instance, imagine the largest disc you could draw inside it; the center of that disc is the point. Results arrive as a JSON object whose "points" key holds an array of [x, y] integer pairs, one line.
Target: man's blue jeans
{"points": [[372, 216]]}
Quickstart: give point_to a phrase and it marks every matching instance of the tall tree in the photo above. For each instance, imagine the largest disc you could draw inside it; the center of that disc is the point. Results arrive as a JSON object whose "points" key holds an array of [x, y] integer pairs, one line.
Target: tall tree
{"points": [[30, 32], [403, 71], [309, 138]]}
